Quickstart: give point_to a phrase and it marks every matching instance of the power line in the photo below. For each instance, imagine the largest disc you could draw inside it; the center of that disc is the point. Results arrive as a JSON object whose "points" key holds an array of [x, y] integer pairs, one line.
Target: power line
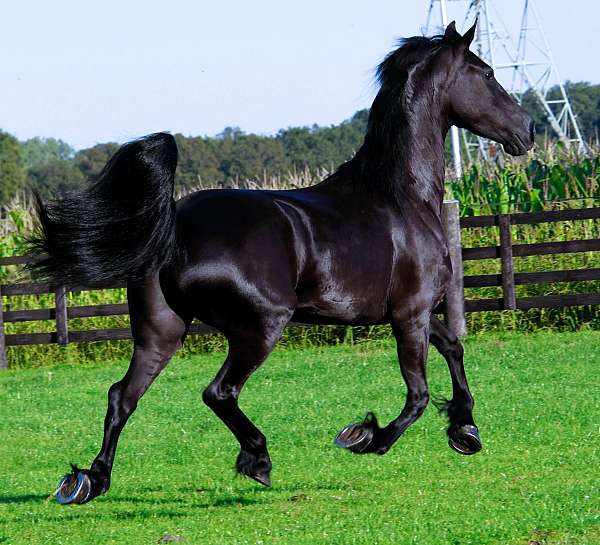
{"points": [[525, 64]]}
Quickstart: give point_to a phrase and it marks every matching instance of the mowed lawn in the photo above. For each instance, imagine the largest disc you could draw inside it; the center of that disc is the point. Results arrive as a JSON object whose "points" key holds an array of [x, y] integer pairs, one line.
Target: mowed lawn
{"points": [[536, 481]]}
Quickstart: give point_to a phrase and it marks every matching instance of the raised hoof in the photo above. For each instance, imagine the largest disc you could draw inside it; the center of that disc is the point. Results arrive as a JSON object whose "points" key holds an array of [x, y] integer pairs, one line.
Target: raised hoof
{"points": [[256, 467], [358, 437], [75, 487], [465, 440]]}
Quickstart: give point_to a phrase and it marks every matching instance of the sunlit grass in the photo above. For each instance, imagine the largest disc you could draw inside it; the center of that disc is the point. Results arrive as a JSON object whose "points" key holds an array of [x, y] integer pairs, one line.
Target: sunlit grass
{"points": [[536, 481]]}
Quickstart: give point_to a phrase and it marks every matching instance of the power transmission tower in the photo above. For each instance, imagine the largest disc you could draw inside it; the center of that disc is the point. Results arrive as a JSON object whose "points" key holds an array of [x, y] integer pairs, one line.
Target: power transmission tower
{"points": [[522, 64]]}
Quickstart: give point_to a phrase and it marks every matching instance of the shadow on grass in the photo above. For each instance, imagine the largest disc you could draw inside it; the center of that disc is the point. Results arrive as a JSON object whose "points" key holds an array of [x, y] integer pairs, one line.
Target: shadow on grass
{"points": [[183, 503], [23, 498], [117, 510], [303, 488], [191, 500], [235, 501]]}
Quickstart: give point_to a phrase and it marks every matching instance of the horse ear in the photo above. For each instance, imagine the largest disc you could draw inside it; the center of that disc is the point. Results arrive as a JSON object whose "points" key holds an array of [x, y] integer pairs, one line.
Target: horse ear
{"points": [[451, 32], [469, 35]]}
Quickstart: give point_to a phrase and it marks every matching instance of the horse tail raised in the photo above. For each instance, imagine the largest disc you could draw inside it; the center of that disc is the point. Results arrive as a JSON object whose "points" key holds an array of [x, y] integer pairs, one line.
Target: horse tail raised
{"points": [[122, 227]]}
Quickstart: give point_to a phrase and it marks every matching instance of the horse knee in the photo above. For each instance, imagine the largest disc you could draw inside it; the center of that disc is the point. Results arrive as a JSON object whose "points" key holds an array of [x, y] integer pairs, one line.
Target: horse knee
{"points": [[451, 349], [457, 351], [157, 349], [419, 401], [210, 396], [120, 402], [216, 396]]}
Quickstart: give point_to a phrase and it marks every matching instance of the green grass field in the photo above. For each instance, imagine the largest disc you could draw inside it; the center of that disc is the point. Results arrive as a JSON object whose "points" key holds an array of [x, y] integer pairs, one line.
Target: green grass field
{"points": [[535, 483]]}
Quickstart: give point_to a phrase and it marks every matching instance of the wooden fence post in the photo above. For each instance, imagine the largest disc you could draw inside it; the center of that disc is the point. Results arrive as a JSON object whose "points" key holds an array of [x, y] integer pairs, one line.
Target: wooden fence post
{"points": [[455, 296], [60, 309], [3, 360], [506, 257]]}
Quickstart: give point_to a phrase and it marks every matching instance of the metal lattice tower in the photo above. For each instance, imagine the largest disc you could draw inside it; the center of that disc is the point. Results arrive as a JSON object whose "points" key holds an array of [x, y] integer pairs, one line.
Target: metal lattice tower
{"points": [[522, 64]]}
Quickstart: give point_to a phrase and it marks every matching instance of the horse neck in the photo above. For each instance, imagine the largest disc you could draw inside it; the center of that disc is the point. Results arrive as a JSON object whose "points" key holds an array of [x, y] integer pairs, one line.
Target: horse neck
{"points": [[405, 158]]}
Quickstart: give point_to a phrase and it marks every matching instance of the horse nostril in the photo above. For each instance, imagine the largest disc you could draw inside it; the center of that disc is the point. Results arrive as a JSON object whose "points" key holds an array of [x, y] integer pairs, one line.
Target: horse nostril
{"points": [[532, 131]]}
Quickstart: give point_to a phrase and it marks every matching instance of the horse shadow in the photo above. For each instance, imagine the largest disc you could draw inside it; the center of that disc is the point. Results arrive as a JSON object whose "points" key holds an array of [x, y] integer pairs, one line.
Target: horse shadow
{"points": [[211, 498], [217, 500], [23, 498]]}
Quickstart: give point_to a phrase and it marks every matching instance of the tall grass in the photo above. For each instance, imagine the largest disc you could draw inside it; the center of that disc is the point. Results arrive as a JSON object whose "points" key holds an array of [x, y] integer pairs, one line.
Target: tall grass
{"points": [[531, 185]]}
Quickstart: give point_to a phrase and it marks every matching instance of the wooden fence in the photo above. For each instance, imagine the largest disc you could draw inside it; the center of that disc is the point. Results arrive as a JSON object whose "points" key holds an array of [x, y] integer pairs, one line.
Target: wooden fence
{"points": [[454, 306], [507, 250]]}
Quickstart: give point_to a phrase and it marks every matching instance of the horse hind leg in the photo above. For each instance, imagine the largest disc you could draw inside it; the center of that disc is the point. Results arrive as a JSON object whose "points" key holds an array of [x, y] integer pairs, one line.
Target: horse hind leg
{"points": [[248, 349], [157, 332], [463, 435]]}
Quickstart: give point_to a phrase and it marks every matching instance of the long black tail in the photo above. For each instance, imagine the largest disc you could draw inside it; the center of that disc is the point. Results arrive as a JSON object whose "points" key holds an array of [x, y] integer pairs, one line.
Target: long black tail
{"points": [[122, 227]]}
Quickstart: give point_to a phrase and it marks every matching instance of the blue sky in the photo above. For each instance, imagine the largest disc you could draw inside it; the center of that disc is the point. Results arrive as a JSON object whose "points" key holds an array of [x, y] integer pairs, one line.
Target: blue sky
{"points": [[113, 70]]}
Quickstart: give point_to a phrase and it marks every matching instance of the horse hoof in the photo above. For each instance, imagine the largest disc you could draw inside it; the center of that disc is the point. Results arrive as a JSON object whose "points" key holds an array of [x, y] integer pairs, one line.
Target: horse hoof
{"points": [[257, 467], [465, 440], [355, 437], [73, 488], [262, 478]]}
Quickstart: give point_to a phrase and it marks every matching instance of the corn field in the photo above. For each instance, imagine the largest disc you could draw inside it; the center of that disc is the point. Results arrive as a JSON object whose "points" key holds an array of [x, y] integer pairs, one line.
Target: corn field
{"points": [[529, 185]]}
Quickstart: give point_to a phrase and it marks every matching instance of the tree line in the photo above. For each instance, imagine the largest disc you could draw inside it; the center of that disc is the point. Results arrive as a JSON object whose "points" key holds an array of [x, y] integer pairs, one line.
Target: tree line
{"points": [[52, 167]]}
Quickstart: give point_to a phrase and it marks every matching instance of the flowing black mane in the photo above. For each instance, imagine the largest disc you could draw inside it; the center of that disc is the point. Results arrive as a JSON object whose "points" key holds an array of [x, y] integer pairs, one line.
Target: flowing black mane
{"points": [[379, 164], [394, 68]]}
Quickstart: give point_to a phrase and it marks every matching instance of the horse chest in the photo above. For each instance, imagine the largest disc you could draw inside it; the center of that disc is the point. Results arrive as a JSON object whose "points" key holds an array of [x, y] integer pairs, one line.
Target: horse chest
{"points": [[420, 279]]}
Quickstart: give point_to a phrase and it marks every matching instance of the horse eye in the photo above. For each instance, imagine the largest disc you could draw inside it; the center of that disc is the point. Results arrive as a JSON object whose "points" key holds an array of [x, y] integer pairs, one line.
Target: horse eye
{"points": [[489, 74]]}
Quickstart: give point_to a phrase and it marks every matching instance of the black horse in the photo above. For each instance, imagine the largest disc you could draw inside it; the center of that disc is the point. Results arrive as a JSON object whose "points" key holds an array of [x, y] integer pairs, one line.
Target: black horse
{"points": [[365, 246]]}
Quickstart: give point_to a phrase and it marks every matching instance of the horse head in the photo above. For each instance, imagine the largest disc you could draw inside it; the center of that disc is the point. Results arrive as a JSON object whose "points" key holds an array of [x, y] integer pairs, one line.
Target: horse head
{"points": [[477, 102]]}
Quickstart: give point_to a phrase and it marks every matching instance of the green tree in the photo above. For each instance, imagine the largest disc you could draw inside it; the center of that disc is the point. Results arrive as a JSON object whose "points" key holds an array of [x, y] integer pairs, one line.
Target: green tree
{"points": [[55, 177], [328, 147], [39, 150], [12, 168], [585, 99], [249, 156], [91, 161], [198, 161]]}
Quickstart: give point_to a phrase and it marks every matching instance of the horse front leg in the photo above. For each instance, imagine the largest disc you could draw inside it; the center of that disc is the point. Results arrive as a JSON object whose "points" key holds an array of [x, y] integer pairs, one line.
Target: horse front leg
{"points": [[412, 338], [463, 435]]}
